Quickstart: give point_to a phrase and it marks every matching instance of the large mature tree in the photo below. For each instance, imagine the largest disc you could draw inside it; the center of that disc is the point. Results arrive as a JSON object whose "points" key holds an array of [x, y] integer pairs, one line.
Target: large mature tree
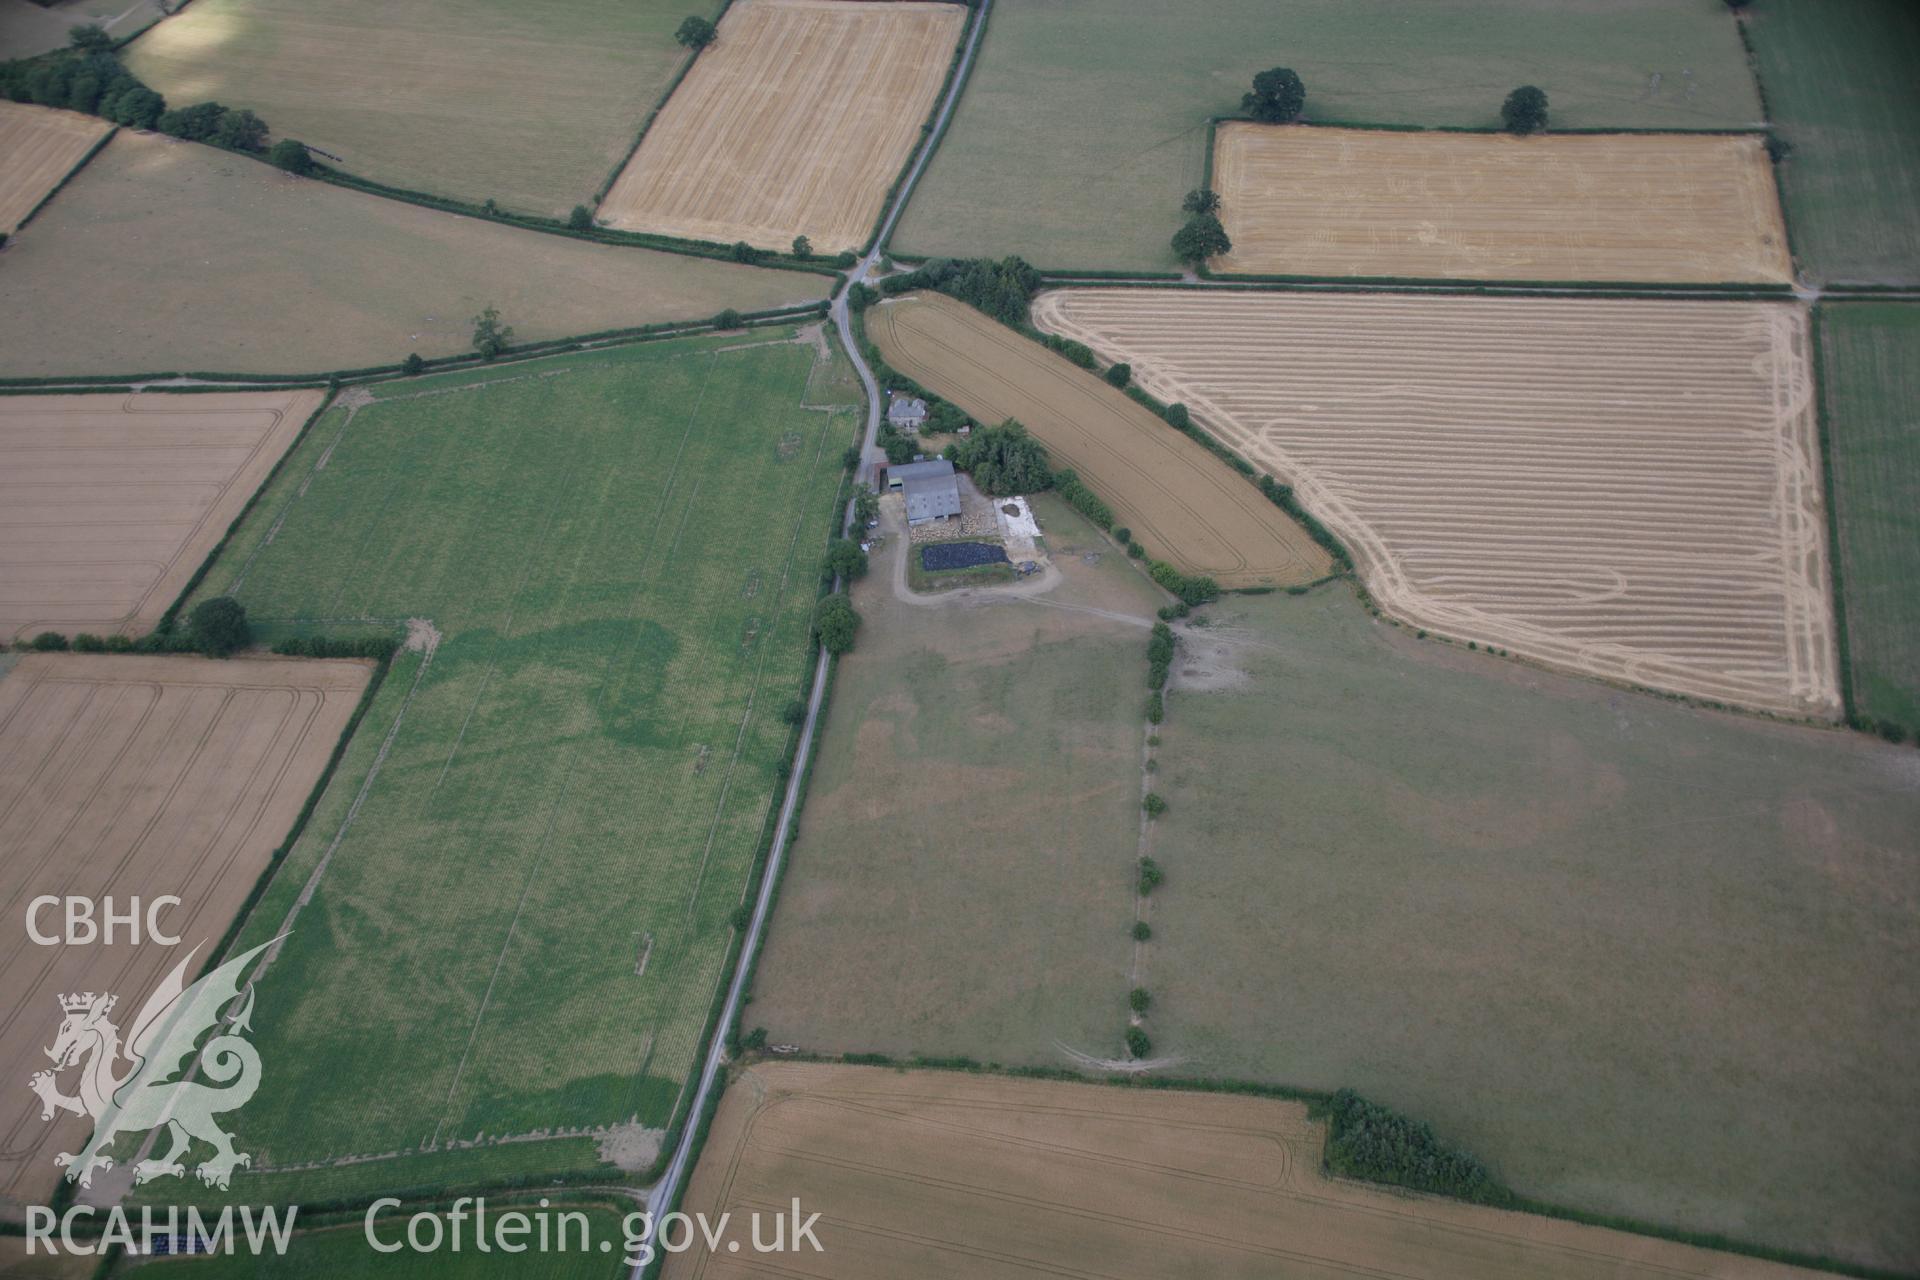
{"points": [[1277, 97], [218, 627], [1005, 460], [1203, 237], [1525, 110], [241, 131], [90, 38], [490, 337], [291, 154], [834, 622], [845, 559], [1201, 200], [696, 33]]}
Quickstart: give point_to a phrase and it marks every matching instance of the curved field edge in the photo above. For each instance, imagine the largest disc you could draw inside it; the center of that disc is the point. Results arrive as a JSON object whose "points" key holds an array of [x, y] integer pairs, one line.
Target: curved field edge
{"points": [[901, 1088], [371, 281], [1289, 400], [1186, 504], [257, 559]]}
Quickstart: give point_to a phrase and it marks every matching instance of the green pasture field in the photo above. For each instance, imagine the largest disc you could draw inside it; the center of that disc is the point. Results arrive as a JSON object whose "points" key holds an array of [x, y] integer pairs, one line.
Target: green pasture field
{"points": [[963, 878], [1643, 959], [342, 1253], [532, 105], [1085, 121], [1870, 379], [1840, 84], [622, 553]]}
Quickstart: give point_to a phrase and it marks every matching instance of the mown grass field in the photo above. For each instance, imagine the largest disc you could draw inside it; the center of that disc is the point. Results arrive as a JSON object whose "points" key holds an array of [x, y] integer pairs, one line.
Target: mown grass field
{"points": [[962, 881], [162, 256], [1642, 959], [534, 844], [1045, 158], [342, 1253], [1870, 379], [1839, 81], [529, 104]]}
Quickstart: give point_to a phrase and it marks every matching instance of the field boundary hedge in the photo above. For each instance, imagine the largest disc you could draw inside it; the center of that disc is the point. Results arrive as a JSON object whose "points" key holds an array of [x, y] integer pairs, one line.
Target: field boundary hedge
{"points": [[87, 384], [1319, 1104], [112, 132], [1836, 572], [1417, 286], [934, 137], [972, 36]]}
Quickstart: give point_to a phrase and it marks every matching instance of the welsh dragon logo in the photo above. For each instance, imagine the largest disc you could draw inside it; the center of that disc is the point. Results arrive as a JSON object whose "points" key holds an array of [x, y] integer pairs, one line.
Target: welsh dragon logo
{"points": [[154, 1090]]}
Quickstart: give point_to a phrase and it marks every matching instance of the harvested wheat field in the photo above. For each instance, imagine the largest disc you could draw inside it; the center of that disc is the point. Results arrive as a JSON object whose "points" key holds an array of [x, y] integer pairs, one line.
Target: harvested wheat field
{"points": [[109, 503], [793, 123], [1183, 503], [1628, 489], [138, 776], [931, 1173], [38, 148], [163, 255], [1681, 208]]}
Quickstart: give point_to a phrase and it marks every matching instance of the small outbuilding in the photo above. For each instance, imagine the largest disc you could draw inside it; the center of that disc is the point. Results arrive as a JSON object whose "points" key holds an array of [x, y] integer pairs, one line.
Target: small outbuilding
{"points": [[931, 488], [905, 413]]}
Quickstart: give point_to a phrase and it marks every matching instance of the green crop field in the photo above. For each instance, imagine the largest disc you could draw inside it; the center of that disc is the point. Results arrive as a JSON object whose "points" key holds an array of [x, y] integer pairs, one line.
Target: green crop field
{"points": [[1644, 959], [342, 1253], [1870, 378], [1840, 83], [1084, 121], [532, 105], [528, 859], [962, 879]]}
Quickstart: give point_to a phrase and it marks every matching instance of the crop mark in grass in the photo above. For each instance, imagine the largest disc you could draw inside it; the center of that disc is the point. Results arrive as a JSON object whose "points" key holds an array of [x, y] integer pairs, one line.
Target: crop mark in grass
{"points": [[646, 953], [568, 771]]}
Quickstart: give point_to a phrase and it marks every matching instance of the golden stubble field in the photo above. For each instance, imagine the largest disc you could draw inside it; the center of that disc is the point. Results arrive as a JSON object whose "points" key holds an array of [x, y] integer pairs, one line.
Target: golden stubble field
{"points": [[1695, 209], [1628, 489], [38, 147], [929, 1173], [1182, 502], [794, 122], [108, 503], [138, 776]]}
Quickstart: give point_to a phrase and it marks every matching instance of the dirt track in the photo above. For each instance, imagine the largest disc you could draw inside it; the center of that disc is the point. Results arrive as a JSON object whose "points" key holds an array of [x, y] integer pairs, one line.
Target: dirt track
{"points": [[138, 776], [932, 1173], [1699, 209], [1628, 489], [1181, 501], [38, 148], [109, 503], [793, 122]]}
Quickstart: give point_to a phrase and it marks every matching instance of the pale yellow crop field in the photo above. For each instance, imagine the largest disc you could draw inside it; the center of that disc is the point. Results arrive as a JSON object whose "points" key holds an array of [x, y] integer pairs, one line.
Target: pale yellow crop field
{"points": [[794, 122], [38, 148], [1628, 489], [110, 502], [1681, 208]]}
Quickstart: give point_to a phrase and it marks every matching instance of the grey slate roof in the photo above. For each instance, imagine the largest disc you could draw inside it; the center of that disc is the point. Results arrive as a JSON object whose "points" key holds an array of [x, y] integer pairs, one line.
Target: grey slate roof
{"points": [[931, 497], [903, 472], [904, 410]]}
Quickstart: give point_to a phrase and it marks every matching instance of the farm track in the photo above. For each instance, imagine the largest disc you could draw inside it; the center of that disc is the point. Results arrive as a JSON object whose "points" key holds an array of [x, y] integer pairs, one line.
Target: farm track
{"points": [[110, 502], [129, 776], [38, 148], [1181, 501], [1691, 209], [1628, 489], [792, 123]]}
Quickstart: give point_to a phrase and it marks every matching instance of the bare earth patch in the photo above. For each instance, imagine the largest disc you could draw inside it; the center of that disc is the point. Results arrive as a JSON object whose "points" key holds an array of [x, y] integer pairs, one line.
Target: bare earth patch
{"points": [[1689, 208], [38, 148], [929, 1173], [1628, 489], [138, 776], [108, 503], [793, 123]]}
